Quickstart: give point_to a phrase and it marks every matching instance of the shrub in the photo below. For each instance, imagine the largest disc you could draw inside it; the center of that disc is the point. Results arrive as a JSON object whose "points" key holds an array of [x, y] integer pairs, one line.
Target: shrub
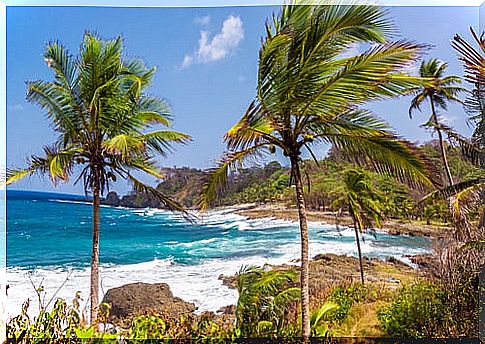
{"points": [[265, 297], [346, 295], [60, 322], [418, 311]]}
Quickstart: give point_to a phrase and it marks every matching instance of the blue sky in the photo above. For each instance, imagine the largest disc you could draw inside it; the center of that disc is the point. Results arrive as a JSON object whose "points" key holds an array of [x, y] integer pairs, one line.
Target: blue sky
{"points": [[207, 63]]}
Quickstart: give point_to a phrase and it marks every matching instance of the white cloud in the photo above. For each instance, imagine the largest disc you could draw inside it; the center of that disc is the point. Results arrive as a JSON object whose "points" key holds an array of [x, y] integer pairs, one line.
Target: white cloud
{"points": [[203, 20], [187, 61], [220, 46]]}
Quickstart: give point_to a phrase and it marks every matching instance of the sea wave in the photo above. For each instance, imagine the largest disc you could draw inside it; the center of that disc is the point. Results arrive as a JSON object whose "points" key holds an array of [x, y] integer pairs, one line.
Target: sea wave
{"points": [[219, 243]]}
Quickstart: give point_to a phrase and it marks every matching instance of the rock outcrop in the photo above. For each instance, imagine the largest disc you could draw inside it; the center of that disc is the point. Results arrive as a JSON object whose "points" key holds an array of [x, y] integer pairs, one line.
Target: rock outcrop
{"points": [[112, 199], [135, 299]]}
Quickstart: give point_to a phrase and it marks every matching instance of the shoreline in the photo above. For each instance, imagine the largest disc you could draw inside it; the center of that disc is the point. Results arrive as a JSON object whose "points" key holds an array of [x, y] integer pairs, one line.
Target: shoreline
{"points": [[209, 295], [278, 211]]}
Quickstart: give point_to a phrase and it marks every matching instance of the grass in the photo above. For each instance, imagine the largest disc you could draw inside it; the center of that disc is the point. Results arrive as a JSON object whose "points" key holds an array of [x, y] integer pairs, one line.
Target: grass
{"points": [[361, 322]]}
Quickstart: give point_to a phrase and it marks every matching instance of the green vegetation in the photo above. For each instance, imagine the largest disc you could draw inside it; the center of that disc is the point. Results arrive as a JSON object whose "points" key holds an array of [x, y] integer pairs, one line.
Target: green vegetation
{"points": [[417, 311], [430, 309], [442, 89], [308, 94], [105, 124], [264, 298]]}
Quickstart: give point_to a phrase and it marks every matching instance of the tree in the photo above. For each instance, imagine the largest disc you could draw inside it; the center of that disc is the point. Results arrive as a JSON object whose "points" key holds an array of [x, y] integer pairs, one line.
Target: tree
{"points": [[467, 195], [264, 297], [98, 108], [308, 93], [473, 149], [364, 205], [440, 91], [462, 254]]}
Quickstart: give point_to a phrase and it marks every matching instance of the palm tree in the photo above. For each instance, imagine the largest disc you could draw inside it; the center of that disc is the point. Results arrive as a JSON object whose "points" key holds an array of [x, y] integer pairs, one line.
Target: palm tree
{"points": [[468, 194], [98, 108], [463, 254], [264, 297], [474, 148], [308, 94], [364, 205], [441, 90]]}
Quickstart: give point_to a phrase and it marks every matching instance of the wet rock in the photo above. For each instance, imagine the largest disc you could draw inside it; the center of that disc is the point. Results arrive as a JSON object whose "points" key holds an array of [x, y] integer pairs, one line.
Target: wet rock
{"points": [[396, 261], [427, 263]]}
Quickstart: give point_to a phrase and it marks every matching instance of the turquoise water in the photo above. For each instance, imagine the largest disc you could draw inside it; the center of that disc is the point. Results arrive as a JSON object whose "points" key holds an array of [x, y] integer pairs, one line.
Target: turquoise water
{"points": [[49, 237]]}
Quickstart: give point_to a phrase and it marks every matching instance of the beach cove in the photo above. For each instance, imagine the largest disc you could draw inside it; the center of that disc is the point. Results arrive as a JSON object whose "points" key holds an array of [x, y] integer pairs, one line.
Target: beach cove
{"points": [[155, 246]]}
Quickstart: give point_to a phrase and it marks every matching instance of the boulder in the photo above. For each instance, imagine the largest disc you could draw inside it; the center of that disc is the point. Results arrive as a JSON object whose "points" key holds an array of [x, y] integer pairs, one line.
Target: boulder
{"points": [[136, 200], [135, 299]]}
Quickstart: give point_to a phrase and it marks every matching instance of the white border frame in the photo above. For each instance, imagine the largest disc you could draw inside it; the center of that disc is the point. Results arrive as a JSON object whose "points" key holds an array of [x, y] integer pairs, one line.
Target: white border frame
{"points": [[127, 3]]}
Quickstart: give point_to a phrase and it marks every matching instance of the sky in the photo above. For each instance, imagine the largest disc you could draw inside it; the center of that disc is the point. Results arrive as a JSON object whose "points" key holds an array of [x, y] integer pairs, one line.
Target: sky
{"points": [[206, 61]]}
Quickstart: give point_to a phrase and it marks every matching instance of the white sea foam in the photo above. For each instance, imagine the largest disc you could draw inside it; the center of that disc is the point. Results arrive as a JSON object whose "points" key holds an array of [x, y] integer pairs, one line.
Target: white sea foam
{"points": [[75, 202], [194, 283], [199, 283]]}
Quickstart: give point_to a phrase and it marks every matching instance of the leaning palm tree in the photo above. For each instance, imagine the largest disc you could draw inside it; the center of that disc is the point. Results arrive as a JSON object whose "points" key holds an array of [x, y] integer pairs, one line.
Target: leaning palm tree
{"points": [[441, 90], [107, 127], [308, 93], [364, 205]]}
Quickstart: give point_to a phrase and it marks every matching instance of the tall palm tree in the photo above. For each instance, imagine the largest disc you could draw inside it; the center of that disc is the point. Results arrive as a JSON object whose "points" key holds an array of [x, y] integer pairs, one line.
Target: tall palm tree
{"points": [[442, 89], [98, 107], [364, 205], [308, 94], [468, 194]]}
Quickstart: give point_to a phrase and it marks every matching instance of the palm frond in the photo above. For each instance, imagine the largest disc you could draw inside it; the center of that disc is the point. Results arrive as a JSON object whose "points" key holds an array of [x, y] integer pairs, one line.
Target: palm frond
{"points": [[14, 174], [252, 129], [455, 189], [58, 58], [161, 141], [58, 103], [125, 145], [217, 177], [168, 202]]}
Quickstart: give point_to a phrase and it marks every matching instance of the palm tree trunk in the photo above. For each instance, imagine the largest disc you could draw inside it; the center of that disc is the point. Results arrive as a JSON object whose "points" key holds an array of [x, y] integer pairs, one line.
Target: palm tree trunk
{"points": [[94, 292], [357, 240], [304, 272], [442, 145]]}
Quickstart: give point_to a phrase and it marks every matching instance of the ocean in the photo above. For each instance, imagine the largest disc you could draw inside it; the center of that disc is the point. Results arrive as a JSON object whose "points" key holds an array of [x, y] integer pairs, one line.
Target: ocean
{"points": [[49, 244]]}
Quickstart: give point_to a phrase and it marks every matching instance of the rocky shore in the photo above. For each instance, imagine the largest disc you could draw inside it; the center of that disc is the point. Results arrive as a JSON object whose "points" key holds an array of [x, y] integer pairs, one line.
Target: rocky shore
{"points": [[326, 271]]}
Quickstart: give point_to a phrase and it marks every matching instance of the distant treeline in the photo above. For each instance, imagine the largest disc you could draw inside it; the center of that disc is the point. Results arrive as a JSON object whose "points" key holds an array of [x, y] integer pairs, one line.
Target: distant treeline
{"points": [[271, 183]]}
